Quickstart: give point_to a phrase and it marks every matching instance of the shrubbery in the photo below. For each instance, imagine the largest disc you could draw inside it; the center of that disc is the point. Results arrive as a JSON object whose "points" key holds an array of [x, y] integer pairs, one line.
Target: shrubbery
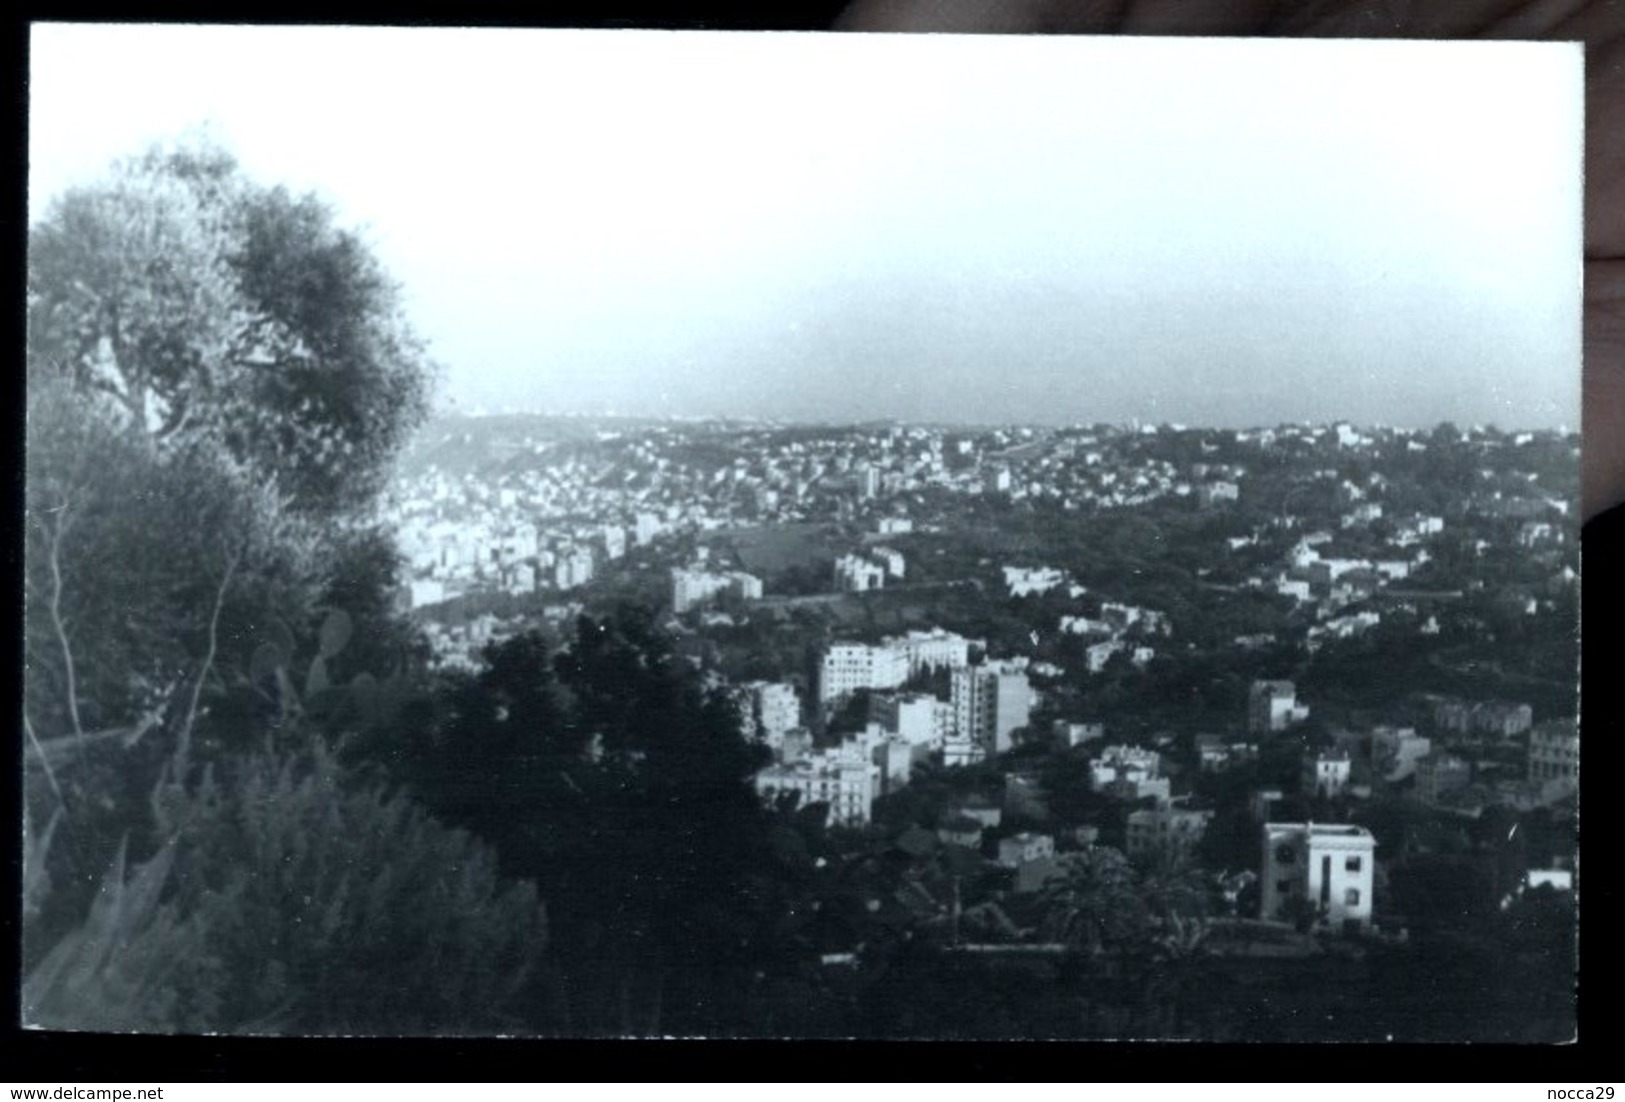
{"points": [[288, 900]]}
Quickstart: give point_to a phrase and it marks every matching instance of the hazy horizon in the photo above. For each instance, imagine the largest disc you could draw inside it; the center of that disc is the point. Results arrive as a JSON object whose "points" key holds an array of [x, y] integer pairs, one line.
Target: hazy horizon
{"points": [[935, 229], [478, 412]]}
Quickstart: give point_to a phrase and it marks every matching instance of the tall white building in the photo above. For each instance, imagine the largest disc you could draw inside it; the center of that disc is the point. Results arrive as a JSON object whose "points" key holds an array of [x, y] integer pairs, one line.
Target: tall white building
{"points": [[646, 527], [769, 710], [990, 702], [919, 719], [1273, 706], [1329, 866]]}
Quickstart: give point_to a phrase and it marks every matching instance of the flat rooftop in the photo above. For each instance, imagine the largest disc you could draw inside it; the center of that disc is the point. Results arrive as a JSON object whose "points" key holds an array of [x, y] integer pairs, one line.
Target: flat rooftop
{"points": [[1321, 830]]}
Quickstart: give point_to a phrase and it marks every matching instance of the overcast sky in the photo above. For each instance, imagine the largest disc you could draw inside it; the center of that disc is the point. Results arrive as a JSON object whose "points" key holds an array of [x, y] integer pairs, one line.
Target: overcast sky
{"points": [[951, 228]]}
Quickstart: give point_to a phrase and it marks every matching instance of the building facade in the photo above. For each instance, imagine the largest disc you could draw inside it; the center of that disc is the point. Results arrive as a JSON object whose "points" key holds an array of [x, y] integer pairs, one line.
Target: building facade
{"points": [[1326, 869], [990, 703], [1273, 706]]}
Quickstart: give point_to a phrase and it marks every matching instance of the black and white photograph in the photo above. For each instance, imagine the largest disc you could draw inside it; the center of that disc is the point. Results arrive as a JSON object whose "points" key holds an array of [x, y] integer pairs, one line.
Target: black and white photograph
{"points": [[629, 533]]}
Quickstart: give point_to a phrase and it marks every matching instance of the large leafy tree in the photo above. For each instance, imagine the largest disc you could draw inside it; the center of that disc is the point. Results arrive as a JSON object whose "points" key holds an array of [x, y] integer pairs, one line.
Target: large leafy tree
{"points": [[196, 303], [219, 377], [607, 773]]}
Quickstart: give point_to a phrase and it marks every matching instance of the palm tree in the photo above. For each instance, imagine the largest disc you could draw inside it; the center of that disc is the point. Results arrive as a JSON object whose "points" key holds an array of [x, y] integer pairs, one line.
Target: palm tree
{"points": [[1097, 907]]}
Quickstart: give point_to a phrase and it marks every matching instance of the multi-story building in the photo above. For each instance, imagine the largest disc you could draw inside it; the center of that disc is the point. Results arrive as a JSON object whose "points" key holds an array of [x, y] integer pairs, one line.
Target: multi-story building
{"points": [[891, 559], [1019, 849], [1554, 755], [1494, 718], [932, 650], [645, 528], [960, 750], [1165, 829], [848, 786], [1273, 706], [848, 667], [1396, 750], [693, 588], [868, 481], [857, 574], [1328, 867], [1210, 494], [991, 701], [919, 719], [895, 759], [1027, 581], [1326, 774], [768, 710], [1117, 763], [1438, 774], [1071, 735], [572, 568], [1502, 719]]}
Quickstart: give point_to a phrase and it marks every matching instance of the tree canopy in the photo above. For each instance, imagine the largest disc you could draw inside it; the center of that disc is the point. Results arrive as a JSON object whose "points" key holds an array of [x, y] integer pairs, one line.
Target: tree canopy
{"points": [[195, 303]]}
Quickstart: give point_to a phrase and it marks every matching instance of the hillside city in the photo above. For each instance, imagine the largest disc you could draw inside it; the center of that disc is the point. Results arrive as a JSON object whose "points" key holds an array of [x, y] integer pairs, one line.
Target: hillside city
{"points": [[344, 714], [1317, 664]]}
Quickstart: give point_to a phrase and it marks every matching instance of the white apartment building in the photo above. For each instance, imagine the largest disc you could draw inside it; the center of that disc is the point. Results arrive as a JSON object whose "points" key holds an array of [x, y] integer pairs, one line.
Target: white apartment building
{"points": [[1330, 866], [1273, 706], [856, 574], [919, 719], [934, 649], [849, 787], [1326, 774], [692, 588], [1117, 763], [848, 667], [645, 528], [891, 559], [990, 702]]}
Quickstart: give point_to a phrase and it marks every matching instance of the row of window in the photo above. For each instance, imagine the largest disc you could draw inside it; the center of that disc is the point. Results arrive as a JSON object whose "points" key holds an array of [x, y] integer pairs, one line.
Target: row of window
{"points": [[1351, 896], [1285, 855]]}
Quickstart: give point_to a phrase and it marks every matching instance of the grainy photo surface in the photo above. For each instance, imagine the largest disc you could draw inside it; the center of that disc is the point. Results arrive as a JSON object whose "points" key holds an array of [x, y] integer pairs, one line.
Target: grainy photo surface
{"points": [[622, 533]]}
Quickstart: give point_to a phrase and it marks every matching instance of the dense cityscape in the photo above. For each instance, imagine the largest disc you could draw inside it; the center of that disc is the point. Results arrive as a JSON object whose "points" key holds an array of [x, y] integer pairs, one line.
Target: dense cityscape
{"points": [[1325, 674], [958, 577]]}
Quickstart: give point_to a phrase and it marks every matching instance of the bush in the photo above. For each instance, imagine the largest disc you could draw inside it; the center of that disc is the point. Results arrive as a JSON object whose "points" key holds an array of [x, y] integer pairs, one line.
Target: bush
{"points": [[285, 902]]}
